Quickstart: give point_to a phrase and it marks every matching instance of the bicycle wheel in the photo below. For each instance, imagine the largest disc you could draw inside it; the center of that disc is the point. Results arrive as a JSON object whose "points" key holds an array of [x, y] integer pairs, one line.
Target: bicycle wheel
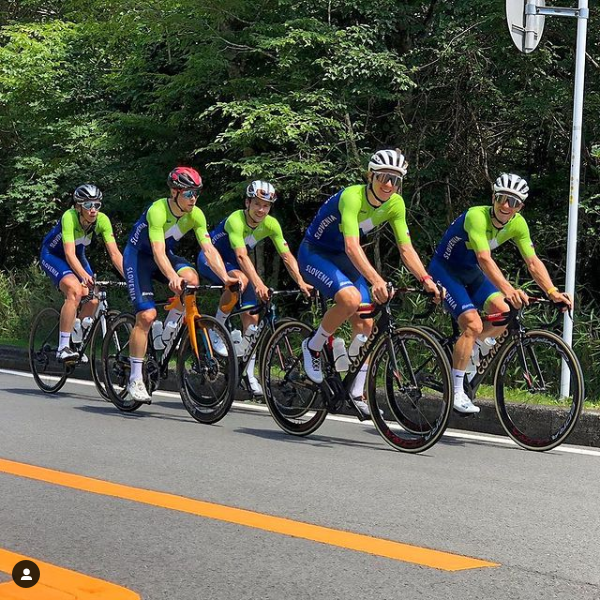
{"points": [[527, 383], [49, 373], [96, 341], [115, 362], [409, 380], [207, 381], [295, 402]]}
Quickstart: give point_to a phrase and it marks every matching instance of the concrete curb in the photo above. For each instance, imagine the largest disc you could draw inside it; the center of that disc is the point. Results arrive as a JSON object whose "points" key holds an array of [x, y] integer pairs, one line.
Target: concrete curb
{"points": [[587, 432]]}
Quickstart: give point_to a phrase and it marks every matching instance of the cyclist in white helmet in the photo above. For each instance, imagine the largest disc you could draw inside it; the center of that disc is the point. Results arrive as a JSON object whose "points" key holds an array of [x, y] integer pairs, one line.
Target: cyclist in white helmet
{"points": [[234, 237], [463, 264], [332, 259]]}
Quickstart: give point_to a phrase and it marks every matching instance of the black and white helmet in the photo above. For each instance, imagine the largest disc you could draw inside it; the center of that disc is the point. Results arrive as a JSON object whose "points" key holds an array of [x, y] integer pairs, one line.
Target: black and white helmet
{"points": [[389, 160], [512, 185], [87, 191], [262, 190]]}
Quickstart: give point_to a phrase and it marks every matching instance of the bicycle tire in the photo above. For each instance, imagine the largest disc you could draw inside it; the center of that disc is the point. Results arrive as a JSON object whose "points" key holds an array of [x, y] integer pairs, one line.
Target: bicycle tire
{"points": [[293, 400], [422, 398], [207, 382], [42, 352], [115, 362], [95, 349], [525, 422]]}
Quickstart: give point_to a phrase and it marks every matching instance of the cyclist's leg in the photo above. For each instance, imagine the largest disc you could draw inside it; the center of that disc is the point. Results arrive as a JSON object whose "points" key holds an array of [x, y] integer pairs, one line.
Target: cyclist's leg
{"points": [[139, 271], [321, 271], [463, 310], [63, 277]]}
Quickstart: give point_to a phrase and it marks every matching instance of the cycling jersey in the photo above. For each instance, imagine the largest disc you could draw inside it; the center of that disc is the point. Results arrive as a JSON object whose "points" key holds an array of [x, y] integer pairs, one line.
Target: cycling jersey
{"points": [[233, 233], [474, 232], [349, 214], [159, 224], [69, 229]]}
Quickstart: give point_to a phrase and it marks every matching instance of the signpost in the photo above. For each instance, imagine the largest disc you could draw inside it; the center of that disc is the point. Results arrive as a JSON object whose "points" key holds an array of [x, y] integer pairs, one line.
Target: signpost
{"points": [[526, 25]]}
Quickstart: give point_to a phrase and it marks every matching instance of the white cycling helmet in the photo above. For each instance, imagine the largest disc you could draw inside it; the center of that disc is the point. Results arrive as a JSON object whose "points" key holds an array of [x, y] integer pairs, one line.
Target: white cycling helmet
{"points": [[262, 190], [389, 160], [511, 185]]}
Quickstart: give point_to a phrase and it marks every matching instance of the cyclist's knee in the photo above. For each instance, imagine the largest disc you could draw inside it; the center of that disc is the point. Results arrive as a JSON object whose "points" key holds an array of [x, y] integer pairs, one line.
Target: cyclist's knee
{"points": [[190, 276], [145, 318], [471, 324], [349, 299], [497, 305]]}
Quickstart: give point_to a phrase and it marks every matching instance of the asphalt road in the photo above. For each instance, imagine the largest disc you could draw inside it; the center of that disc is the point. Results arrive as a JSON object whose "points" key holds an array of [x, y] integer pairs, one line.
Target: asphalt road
{"points": [[536, 515]]}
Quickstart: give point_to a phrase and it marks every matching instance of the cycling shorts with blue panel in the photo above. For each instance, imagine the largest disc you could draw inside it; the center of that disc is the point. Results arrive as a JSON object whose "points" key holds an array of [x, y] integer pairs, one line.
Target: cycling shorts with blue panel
{"points": [[56, 267], [140, 270], [330, 272], [466, 288], [248, 295]]}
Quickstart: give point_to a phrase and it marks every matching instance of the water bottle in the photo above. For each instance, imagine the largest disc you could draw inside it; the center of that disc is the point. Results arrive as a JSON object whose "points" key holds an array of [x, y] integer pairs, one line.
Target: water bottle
{"points": [[238, 342], [157, 331], [486, 345], [77, 333], [340, 356], [87, 323], [169, 329]]}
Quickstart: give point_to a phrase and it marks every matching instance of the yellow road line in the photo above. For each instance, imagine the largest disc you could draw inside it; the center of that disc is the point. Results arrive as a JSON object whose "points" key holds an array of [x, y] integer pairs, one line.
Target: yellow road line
{"points": [[325, 535], [57, 583]]}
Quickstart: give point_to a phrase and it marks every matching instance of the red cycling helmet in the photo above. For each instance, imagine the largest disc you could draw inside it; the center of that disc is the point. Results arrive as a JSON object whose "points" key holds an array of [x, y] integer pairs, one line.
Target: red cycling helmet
{"points": [[184, 178]]}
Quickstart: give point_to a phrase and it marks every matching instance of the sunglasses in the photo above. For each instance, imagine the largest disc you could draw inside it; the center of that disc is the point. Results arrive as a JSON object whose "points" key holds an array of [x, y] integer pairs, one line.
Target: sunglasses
{"points": [[395, 180], [91, 204], [189, 194], [513, 202]]}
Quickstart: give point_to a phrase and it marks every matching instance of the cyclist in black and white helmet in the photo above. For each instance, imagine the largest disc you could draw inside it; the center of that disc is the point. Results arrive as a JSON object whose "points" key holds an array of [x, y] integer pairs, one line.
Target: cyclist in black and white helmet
{"points": [[63, 259], [463, 264]]}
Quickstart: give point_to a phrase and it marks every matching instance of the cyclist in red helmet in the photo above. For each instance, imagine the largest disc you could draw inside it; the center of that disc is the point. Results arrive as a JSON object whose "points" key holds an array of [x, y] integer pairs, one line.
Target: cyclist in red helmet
{"points": [[149, 255]]}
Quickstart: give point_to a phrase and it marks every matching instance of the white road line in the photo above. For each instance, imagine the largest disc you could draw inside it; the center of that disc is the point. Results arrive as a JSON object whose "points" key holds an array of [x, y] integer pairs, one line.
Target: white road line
{"points": [[565, 448]]}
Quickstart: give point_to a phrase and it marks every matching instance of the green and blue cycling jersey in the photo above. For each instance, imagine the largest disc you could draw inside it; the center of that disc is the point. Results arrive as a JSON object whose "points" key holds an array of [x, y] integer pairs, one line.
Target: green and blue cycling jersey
{"points": [[69, 229], [233, 233], [455, 264], [322, 255], [157, 224]]}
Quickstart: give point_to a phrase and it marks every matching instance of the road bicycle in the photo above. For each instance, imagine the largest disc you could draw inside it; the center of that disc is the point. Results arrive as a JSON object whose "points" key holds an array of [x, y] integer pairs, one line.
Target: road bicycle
{"points": [[394, 387], [206, 380], [526, 365], [51, 374]]}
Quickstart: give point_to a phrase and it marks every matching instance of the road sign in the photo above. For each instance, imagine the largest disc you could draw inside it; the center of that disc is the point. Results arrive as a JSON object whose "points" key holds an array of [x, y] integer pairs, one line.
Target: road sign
{"points": [[525, 29]]}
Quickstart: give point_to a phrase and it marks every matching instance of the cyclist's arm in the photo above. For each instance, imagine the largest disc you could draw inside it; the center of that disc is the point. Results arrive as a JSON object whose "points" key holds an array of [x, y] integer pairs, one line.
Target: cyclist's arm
{"points": [[214, 260], [234, 227], [359, 259], [115, 256], [539, 273], [159, 253], [412, 261], [247, 267], [291, 264]]}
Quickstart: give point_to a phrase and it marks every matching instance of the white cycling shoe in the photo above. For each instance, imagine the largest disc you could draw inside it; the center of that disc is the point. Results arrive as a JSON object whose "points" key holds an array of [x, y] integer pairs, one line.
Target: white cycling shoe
{"points": [[217, 343], [66, 354], [137, 391], [463, 404], [312, 363], [255, 386]]}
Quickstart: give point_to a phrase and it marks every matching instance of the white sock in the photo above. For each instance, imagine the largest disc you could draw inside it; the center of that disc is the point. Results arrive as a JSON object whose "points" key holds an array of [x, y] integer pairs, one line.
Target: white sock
{"points": [[358, 386], [457, 378], [317, 341], [251, 366], [136, 368], [221, 316], [64, 340]]}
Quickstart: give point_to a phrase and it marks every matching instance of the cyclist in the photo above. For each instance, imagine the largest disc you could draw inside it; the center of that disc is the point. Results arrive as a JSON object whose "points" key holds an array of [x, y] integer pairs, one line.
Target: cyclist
{"points": [[149, 256], [234, 237], [332, 259], [463, 264], [63, 259]]}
